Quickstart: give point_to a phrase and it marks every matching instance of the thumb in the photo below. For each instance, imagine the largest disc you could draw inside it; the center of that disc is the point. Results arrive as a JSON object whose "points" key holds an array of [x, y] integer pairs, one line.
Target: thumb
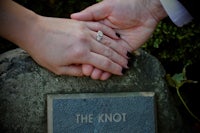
{"points": [[93, 13]]}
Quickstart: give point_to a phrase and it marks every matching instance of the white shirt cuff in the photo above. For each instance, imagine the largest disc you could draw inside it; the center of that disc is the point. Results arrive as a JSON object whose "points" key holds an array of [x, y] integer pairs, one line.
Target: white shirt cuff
{"points": [[176, 12]]}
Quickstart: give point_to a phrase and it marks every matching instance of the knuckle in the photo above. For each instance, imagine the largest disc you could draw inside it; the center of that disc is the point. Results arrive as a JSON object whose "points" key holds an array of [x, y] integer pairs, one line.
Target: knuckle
{"points": [[82, 26], [108, 53], [98, 26], [83, 38], [107, 63], [79, 52], [124, 50], [107, 43], [101, 27]]}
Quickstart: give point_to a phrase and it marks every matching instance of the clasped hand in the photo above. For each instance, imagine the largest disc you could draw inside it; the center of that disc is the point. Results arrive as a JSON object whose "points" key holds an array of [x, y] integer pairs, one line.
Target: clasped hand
{"points": [[69, 47]]}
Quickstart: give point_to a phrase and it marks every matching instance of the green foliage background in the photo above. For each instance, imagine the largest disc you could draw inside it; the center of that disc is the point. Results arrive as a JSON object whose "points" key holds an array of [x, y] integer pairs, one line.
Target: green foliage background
{"points": [[170, 43]]}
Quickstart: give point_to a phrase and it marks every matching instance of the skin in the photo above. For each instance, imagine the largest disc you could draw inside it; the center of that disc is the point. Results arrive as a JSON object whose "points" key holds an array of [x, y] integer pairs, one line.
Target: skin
{"points": [[134, 20], [63, 46]]}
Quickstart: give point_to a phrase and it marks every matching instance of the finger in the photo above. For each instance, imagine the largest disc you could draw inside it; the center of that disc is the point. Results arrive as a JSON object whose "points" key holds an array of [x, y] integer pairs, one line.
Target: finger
{"points": [[95, 12], [87, 69], [116, 45], [117, 57], [95, 26], [127, 36], [111, 34], [105, 76], [110, 54], [103, 63], [72, 70], [96, 74]]}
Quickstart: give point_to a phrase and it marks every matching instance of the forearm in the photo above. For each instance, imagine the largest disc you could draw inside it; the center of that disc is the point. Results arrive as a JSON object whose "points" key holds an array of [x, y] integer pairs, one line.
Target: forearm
{"points": [[17, 23], [156, 9]]}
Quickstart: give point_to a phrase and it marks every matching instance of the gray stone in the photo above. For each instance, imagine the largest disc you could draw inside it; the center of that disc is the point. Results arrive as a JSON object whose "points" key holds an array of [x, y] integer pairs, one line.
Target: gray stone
{"points": [[130, 112], [24, 87]]}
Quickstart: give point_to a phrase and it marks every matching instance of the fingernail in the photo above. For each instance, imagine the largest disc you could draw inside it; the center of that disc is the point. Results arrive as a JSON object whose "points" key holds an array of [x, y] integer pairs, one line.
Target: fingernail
{"points": [[129, 55], [117, 34]]}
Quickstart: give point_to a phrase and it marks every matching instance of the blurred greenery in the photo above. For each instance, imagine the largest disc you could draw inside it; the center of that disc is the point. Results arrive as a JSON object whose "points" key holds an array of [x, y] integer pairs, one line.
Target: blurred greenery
{"points": [[170, 43]]}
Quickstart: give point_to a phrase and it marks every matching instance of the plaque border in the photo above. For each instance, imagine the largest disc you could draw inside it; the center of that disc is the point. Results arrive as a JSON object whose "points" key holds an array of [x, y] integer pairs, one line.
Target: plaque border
{"points": [[51, 97]]}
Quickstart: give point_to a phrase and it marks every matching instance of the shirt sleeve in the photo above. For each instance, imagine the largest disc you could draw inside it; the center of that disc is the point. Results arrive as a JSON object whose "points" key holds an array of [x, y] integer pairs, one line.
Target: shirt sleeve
{"points": [[176, 12]]}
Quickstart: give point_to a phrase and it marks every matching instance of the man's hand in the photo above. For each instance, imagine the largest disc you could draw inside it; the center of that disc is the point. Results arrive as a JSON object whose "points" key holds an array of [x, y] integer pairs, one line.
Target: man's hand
{"points": [[134, 20]]}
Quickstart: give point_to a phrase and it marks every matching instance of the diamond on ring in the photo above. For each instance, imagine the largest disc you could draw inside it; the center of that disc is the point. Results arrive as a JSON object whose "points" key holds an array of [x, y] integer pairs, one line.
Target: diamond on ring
{"points": [[99, 35]]}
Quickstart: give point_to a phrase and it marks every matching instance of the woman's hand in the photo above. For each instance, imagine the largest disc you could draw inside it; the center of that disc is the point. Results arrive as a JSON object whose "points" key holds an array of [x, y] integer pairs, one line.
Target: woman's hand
{"points": [[63, 45]]}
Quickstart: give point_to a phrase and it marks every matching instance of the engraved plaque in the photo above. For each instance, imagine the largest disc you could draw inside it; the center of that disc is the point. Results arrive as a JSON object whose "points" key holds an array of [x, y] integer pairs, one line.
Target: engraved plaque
{"points": [[126, 112]]}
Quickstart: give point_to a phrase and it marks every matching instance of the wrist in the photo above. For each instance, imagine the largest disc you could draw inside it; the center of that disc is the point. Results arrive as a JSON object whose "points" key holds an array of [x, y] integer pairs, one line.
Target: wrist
{"points": [[156, 9], [30, 31], [17, 23], [30, 34]]}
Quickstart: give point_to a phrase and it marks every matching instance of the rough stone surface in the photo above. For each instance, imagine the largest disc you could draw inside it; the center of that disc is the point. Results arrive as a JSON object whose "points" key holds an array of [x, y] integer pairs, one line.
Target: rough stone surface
{"points": [[24, 87]]}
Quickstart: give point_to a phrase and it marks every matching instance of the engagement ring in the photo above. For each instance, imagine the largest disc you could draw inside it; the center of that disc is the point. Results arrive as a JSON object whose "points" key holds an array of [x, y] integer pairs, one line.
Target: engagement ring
{"points": [[99, 35]]}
